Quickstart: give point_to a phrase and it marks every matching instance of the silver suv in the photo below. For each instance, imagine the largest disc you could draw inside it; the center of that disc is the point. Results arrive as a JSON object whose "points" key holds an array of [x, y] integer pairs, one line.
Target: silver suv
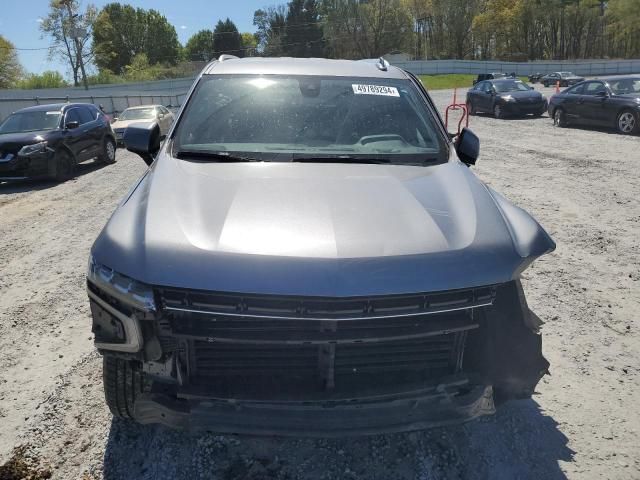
{"points": [[309, 254]]}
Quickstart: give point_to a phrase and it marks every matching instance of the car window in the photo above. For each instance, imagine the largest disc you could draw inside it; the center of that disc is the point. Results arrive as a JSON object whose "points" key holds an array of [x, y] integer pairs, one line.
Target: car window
{"points": [[138, 114], [593, 88], [511, 86], [31, 121], [281, 117], [73, 115], [85, 115], [487, 87], [577, 90], [624, 86]]}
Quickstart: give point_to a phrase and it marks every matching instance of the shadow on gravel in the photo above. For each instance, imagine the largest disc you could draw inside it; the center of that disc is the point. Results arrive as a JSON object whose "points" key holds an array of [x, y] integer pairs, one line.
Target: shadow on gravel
{"points": [[21, 186], [518, 442]]}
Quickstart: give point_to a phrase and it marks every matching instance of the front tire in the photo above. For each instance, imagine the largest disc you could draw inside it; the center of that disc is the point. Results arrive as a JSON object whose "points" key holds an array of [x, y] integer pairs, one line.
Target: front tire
{"points": [[471, 109], [560, 118], [108, 154], [64, 166], [123, 382], [627, 122]]}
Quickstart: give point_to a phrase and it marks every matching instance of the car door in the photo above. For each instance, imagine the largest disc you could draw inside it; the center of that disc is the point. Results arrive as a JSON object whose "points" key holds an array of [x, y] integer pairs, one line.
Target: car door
{"points": [[92, 129], [484, 97], [594, 104], [572, 101], [74, 139]]}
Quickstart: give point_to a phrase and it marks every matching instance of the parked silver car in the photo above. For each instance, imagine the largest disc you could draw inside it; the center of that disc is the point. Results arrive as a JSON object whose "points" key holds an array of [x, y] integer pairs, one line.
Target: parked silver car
{"points": [[157, 114], [310, 254]]}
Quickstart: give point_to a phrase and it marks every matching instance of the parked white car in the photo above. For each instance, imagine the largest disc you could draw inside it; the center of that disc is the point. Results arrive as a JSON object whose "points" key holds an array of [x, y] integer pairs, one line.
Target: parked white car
{"points": [[144, 113]]}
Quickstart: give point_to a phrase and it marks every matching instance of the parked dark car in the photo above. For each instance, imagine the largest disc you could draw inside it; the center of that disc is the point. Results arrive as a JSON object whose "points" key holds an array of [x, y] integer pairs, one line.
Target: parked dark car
{"points": [[608, 102], [489, 76], [309, 253], [505, 98], [48, 141], [566, 79], [535, 77]]}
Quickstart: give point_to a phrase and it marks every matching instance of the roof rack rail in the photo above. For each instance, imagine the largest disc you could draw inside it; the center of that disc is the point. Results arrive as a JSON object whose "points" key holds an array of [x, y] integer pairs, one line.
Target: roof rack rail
{"points": [[380, 63], [226, 56]]}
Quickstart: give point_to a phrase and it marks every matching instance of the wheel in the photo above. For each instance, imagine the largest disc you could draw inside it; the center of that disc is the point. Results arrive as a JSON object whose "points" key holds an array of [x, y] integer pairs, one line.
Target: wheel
{"points": [[560, 118], [471, 109], [63, 166], [627, 122], [497, 111], [108, 154], [123, 381]]}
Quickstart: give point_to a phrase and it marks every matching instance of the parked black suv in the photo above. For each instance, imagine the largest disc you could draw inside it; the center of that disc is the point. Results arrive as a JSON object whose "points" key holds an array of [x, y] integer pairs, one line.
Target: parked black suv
{"points": [[489, 76], [50, 140]]}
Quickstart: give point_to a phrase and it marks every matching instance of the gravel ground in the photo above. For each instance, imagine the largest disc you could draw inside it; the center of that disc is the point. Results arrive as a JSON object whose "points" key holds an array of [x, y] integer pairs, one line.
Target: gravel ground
{"points": [[583, 422]]}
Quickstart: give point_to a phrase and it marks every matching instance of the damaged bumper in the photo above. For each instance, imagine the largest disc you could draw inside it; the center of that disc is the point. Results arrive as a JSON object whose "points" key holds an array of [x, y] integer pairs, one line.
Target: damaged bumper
{"points": [[418, 410], [18, 167]]}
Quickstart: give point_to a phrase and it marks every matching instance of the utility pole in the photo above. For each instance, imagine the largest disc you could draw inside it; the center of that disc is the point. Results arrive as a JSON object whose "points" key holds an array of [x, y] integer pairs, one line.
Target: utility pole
{"points": [[76, 33]]}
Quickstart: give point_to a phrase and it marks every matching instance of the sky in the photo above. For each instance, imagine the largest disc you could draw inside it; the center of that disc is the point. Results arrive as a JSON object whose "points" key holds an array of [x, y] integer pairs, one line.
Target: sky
{"points": [[19, 22]]}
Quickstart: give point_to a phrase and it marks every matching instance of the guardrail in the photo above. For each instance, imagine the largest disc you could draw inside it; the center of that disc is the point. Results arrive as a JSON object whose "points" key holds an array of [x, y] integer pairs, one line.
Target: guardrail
{"points": [[113, 104], [579, 67]]}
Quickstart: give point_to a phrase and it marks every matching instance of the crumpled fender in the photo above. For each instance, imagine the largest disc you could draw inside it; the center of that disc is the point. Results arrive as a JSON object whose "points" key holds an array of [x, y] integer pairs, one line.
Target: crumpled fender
{"points": [[530, 240]]}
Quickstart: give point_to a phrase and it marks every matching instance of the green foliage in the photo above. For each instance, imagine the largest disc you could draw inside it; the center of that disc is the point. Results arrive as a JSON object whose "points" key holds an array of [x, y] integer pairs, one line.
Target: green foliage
{"points": [[249, 43], [121, 32], [455, 80], [227, 39], [10, 68], [200, 46], [48, 79], [303, 35]]}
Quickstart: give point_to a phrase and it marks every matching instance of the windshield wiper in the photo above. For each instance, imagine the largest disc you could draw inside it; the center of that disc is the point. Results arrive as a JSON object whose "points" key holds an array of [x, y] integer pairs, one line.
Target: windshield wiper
{"points": [[340, 159], [213, 156]]}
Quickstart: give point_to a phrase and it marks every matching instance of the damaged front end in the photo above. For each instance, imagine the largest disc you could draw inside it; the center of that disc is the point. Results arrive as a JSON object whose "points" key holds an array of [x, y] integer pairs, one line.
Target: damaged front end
{"points": [[313, 366]]}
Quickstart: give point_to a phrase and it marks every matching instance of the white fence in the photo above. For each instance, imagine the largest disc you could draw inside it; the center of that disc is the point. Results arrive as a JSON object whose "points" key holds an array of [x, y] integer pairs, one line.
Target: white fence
{"points": [[579, 67]]}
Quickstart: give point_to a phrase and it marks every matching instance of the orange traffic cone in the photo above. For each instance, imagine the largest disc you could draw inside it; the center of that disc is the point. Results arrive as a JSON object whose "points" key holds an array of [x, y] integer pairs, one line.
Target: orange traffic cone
{"points": [[558, 86]]}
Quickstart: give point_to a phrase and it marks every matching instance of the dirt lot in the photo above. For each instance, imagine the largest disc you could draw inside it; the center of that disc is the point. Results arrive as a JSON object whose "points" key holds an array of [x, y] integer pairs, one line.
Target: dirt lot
{"points": [[583, 422]]}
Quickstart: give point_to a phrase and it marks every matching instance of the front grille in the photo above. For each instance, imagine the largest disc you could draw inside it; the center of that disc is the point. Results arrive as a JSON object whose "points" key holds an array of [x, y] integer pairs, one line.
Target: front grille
{"points": [[247, 343]]}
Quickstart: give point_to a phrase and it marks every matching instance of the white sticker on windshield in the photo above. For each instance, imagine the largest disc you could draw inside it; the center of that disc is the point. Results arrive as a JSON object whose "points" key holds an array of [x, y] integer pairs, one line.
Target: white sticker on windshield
{"points": [[375, 90], [53, 113]]}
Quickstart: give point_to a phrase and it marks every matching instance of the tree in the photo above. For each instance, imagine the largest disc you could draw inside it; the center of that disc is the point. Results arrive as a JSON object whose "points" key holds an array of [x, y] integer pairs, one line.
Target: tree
{"points": [[249, 44], [47, 79], [227, 39], [271, 24], [303, 35], [10, 68], [70, 32], [359, 29], [200, 46], [120, 32]]}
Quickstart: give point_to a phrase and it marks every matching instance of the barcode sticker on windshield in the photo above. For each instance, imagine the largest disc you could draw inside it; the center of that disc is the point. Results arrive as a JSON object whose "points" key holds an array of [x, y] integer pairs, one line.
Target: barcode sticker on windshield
{"points": [[375, 90]]}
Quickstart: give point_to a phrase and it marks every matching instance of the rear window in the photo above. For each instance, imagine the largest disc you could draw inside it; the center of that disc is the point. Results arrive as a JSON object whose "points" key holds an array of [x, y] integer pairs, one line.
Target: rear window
{"points": [[281, 117]]}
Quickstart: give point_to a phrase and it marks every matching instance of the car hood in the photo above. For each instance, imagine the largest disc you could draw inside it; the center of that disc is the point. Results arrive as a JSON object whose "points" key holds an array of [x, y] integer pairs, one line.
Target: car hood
{"points": [[317, 229], [522, 95], [13, 142], [126, 123]]}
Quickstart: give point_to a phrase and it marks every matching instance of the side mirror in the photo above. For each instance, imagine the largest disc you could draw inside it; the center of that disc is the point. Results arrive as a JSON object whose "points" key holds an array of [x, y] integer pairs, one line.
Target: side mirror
{"points": [[71, 125], [602, 94], [531, 87], [143, 139], [468, 147]]}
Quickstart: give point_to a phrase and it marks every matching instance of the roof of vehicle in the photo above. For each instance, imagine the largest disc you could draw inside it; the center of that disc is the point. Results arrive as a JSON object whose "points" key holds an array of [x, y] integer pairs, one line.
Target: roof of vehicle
{"points": [[618, 77], [302, 66], [503, 80], [140, 107], [46, 108]]}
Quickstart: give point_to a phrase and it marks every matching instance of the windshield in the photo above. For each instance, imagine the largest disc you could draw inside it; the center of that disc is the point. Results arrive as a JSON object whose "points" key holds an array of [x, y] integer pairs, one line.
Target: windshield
{"points": [[625, 86], [31, 121], [514, 86], [282, 118], [138, 114]]}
